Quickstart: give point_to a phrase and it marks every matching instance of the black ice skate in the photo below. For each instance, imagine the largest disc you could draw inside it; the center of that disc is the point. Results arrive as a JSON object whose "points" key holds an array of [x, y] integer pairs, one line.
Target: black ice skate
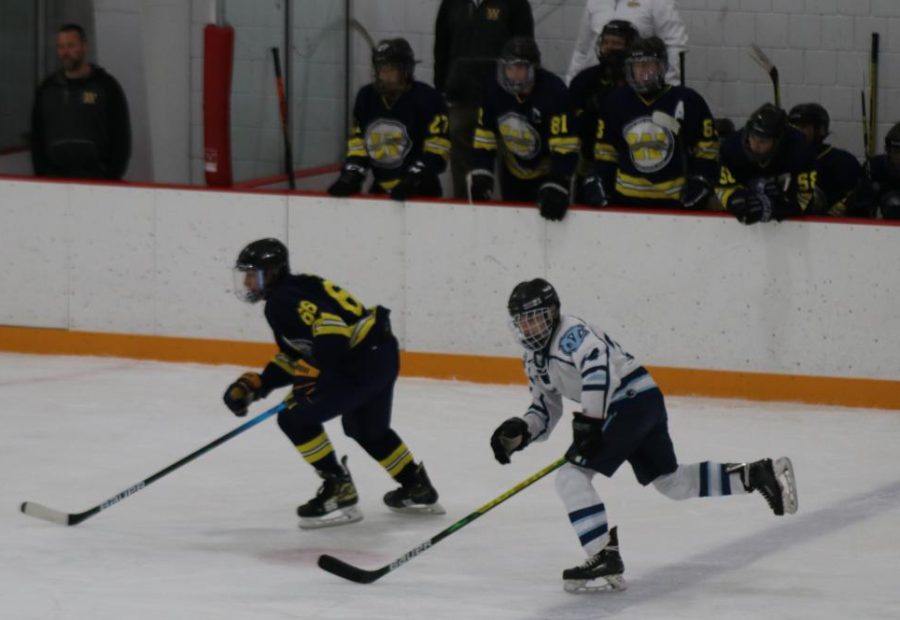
{"points": [[334, 503], [600, 573], [415, 497], [774, 481]]}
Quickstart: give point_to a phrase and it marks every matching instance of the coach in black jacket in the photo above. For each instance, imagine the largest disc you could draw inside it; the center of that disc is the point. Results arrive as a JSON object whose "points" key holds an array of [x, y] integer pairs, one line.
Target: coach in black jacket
{"points": [[79, 125], [469, 35]]}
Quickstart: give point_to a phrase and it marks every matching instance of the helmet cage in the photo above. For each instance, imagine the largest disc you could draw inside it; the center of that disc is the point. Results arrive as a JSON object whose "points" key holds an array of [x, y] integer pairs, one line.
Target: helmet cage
{"points": [[515, 87], [650, 83], [533, 328]]}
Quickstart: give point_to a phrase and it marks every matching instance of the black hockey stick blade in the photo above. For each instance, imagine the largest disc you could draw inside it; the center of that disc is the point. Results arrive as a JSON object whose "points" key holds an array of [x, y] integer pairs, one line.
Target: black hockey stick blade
{"points": [[349, 572], [355, 574]]}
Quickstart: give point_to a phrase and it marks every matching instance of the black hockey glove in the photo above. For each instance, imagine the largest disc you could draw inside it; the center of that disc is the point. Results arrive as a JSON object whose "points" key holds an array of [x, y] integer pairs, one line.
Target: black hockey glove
{"points": [[411, 184], [481, 186], [587, 439], [242, 392], [697, 192], [553, 200], [511, 436], [593, 193], [750, 208], [349, 182]]}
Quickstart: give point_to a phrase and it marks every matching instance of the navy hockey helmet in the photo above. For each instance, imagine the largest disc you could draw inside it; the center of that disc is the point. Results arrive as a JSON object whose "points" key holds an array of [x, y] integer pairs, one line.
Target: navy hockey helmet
{"points": [[259, 267], [646, 65], [811, 115], [763, 132], [396, 53], [534, 313], [522, 52]]}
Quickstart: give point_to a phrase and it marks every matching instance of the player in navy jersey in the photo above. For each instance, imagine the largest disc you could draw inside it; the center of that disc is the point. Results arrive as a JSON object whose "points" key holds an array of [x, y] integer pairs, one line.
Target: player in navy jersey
{"points": [[767, 169], [656, 144], [399, 131], [838, 172], [590, 89], [341, 359], [525, 114], [622, 418], [880, 192]]}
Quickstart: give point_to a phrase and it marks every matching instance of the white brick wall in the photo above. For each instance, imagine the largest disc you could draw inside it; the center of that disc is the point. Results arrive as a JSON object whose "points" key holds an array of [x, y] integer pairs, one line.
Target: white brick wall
{"points": [[821, 49], [17, 48]]}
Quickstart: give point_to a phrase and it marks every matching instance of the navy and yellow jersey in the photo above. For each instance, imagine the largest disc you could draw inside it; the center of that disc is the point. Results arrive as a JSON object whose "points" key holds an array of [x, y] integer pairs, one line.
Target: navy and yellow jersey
{"points": [[838, 175], [588, 93], [794, 167], [649, 159], [317, 321], [535, 132], [391, 138]]}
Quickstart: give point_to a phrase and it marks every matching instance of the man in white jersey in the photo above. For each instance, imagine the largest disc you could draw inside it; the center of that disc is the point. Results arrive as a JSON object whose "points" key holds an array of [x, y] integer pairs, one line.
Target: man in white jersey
{"points": [[623, 418]]}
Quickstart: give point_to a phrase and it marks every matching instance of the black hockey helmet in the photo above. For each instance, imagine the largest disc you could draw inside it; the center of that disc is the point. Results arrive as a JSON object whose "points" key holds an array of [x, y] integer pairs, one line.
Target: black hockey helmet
{"points": [[621, 28], [650, 50], [518, 51], [813, 115], [534, 313], [397, 53], [768, 122], [724, 127], [259, 267], [612, 57], [892, 140]]}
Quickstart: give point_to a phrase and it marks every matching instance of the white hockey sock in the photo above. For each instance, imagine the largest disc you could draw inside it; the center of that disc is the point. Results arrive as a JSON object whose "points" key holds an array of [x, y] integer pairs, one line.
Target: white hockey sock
{"points": [[585, 509], [706, 479]]}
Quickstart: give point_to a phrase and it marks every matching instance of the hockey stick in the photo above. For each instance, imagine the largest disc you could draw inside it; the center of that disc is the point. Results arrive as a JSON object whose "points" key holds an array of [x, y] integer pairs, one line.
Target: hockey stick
{"points": [[865, 123], [40, 511], [873, 95], [358, 575], [763, 61], [282, 110], [681, 63]]}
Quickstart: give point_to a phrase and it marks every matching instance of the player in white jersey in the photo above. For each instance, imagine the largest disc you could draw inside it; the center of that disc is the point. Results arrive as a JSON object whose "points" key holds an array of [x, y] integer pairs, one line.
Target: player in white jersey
{"points": [[623, 418]]}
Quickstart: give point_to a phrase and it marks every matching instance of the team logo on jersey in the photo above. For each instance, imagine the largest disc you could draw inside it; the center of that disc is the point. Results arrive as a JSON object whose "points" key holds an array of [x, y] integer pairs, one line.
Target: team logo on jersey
{"points": [[572, 339], [651, 146], [89, 97], [387, 143], [519, 136]]}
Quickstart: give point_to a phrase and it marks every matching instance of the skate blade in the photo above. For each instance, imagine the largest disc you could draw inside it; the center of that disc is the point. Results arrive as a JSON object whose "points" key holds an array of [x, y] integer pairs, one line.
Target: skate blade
{"points": [[344, 516], [612, 583], [784, 473], [420, 509]]}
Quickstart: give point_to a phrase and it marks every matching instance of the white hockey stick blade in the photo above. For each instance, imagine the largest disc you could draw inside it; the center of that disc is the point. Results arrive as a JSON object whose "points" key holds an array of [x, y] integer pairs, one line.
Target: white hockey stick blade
{"points": [[666, 121], [39, 511], [760, 57]]}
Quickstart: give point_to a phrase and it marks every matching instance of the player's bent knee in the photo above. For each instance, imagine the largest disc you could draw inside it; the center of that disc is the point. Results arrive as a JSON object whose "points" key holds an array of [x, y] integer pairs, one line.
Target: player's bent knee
{"points": [[676, 485], [570, 480]]}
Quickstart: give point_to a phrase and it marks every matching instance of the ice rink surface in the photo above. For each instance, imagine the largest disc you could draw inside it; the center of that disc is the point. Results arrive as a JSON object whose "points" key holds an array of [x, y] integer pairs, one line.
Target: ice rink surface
{"points": [[219, 538]]}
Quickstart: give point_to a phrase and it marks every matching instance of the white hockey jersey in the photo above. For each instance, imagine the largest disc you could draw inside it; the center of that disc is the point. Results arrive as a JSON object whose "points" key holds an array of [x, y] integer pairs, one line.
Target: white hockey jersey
{"points": [[585, 365]]}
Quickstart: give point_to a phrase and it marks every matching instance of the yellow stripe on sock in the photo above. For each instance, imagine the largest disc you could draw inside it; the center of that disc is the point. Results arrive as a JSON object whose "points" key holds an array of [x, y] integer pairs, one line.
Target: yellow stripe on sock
{"points": [[398, 459], [316, 449]]}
